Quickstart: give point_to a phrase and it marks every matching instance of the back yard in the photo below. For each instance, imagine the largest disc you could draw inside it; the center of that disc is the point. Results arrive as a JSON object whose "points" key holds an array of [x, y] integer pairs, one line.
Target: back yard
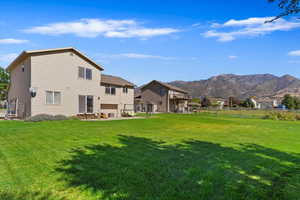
{"points": [[168, 156]]}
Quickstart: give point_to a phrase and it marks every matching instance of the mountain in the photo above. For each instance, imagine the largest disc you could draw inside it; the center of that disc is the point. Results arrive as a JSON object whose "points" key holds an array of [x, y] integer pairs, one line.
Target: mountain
{"points": [[242, 86]]}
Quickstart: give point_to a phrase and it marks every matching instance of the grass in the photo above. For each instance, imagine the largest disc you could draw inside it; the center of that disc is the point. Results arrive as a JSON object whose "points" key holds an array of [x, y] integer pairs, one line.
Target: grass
{"points": [[165, 157]]}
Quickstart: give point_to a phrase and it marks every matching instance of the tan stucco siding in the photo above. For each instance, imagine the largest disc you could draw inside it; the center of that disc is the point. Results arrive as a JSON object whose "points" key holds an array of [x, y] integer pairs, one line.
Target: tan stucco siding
{"points": [[19, 88], [119, 98], [59, 72]]}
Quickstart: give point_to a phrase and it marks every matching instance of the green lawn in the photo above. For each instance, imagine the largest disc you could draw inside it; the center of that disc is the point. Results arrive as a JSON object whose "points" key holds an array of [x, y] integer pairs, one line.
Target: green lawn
{"points": [[165, 157]]}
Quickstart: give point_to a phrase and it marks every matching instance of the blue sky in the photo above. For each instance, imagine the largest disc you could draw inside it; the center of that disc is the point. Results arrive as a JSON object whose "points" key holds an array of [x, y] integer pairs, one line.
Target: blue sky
{"points": [[142, 40]]}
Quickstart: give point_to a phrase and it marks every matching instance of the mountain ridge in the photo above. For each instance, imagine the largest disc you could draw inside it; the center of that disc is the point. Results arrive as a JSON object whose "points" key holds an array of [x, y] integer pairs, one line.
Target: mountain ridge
{"points": [[242, 86]]}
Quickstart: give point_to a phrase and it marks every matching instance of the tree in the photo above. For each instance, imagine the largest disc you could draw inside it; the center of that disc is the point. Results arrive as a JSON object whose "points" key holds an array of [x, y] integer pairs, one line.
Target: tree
{"points": [[297, 103], [248, 103], [206, 102], [289, 101], [289, 7], [4, 76], [4, 81], [196, 100], [233, 102]]}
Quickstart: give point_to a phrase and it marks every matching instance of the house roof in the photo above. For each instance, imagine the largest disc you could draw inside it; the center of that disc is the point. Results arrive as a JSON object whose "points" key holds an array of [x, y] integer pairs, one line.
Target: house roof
{"points": [[26, 54], [166, 85], [115, 80]]}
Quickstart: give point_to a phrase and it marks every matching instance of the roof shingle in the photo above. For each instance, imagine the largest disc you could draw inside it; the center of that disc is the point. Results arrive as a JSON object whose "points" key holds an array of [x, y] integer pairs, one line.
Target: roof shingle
{"points": [[171, 87], [115, 80]]}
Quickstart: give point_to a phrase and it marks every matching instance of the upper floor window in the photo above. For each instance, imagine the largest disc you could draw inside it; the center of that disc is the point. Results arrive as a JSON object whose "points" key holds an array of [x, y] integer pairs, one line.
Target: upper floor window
{"points": [[125, 90], [88, 74], [53, 97], [85, 73], [110, 90], [161, 91]]}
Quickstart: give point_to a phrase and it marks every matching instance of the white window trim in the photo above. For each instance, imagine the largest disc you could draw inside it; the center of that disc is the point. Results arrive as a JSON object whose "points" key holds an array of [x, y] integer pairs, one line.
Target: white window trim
{"points": [[53, 91], [84, 73], [126, 89], [110, 87]]}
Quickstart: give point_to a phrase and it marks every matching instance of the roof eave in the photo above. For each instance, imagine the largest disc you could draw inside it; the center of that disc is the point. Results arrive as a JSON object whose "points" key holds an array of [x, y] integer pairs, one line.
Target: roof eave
{"points": [[24, 54]]}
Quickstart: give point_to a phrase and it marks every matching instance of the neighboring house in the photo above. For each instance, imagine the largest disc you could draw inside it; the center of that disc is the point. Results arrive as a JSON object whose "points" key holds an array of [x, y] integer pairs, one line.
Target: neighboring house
{"points": [[56, 81], [255, 103], [116, 96], [217, 103], [161, 97]]}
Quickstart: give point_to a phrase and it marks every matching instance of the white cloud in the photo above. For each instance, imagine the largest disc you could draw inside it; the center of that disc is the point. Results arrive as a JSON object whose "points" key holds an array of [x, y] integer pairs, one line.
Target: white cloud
{"points": [[294, 53], [251, 27], [7, 58], [247, 22], [196, 24], [12, 41], [145, 56], [232, 57], [97, 27], [133, 56]]}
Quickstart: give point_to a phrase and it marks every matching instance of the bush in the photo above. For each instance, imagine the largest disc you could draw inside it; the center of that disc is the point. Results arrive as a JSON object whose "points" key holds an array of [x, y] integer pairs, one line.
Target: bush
{"points": [[74, 118], [45, 117], [60, 117], [285, 116]]}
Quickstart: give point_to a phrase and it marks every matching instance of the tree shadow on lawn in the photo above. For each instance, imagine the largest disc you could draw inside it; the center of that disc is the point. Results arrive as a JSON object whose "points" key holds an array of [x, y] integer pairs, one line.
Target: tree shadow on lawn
{"points": [[145, 169]]}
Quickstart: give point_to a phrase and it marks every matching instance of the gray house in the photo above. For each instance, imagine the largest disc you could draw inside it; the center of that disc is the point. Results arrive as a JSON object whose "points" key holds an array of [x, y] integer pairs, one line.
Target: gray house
{"points": [[157, 96]]}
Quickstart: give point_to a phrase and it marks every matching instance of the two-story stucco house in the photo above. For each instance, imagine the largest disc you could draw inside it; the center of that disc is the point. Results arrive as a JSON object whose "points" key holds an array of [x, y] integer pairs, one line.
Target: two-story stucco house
{"points": [[157, 96], [60, 81], [116, 96]]}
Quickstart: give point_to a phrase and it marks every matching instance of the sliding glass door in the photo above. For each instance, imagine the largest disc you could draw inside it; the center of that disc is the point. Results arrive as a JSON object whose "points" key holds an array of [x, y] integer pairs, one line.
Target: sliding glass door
{"points": [[86, 104]]}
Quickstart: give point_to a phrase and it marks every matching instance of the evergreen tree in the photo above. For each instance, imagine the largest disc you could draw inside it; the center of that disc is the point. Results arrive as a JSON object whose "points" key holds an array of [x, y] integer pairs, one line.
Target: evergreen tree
{"points": [[4, 81], [206, 102], [289, 101]]}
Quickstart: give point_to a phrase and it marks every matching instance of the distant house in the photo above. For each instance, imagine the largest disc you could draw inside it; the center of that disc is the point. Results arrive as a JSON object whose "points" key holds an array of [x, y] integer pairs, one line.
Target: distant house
{"points": [[64, 81], [157, 96], [117, 96], [255, 103]]}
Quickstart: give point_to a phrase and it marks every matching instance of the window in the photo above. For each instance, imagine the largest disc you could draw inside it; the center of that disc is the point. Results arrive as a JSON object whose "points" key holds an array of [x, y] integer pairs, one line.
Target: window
{"points": [[53, 97], [107, 90], [110, 90], [86, 104], [85, 73], [161, 91], [82, 104], [88, 74], [113, 91], [81, 72], [23, 67], [125, 90], [56, 98]]}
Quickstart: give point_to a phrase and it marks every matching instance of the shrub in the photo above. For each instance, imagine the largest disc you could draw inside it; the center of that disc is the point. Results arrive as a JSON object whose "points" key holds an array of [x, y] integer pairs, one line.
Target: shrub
{"points": [[286, 116], [60, 117], [74, 118], [45, 117]]}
